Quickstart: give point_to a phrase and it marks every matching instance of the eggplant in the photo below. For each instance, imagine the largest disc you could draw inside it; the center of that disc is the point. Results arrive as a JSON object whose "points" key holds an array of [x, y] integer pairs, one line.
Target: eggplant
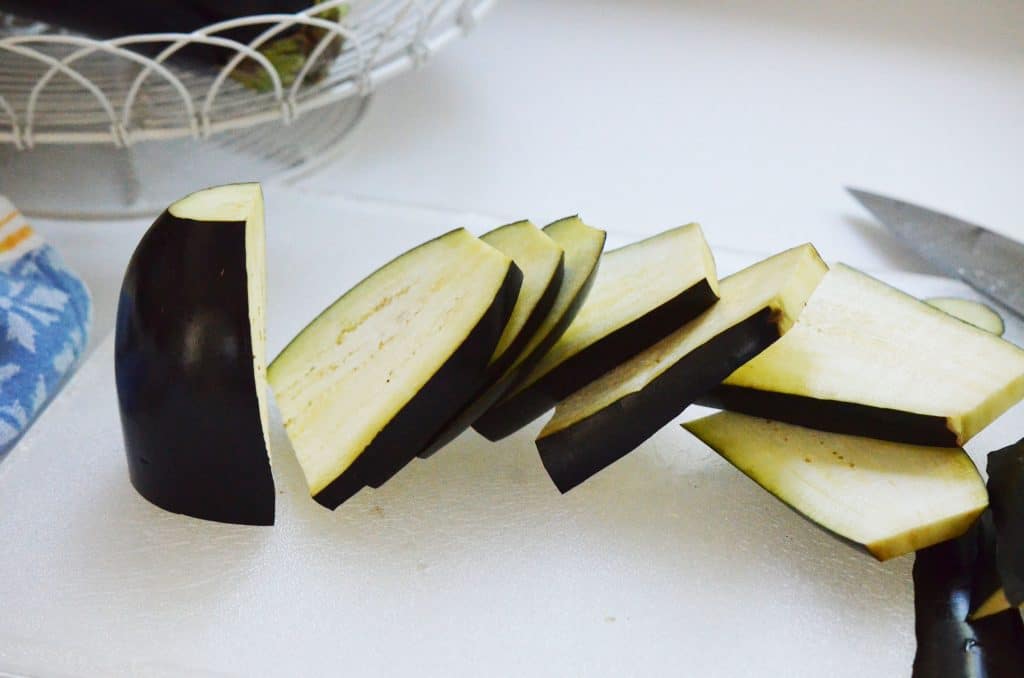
{"points": [[190, 359], [886, 498], [542, 261], [643, 292], [982, 316], [583, 245], [866, 359], [949, 645], [611, 416], [1001, 584], [369, 382], [287, 51]]}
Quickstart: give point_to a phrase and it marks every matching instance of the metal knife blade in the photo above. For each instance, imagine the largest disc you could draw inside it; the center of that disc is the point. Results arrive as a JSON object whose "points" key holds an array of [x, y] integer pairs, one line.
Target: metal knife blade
{"points": [[990, 263]]}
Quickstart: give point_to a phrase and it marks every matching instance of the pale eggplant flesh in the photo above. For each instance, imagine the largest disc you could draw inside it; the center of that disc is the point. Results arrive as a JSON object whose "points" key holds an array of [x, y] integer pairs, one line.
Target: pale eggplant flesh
{"points": [[982, 316], [867, 359], [371, 380], [949, 645], [189, 359], [887, 498], [605, 420], [643, 292], [542, 262]]}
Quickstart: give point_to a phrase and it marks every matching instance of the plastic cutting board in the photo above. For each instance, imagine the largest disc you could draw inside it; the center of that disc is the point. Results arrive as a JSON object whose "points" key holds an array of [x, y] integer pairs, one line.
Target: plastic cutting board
{"points": [[470, 563]]}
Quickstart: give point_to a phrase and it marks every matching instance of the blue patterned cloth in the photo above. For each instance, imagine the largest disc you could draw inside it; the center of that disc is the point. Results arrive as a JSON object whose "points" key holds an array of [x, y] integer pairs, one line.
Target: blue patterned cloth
{"points": [[45, 313]]}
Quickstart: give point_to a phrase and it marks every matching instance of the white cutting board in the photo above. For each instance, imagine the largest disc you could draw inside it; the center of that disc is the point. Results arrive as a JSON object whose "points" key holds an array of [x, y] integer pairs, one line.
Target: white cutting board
{"points": [[668, 563]]}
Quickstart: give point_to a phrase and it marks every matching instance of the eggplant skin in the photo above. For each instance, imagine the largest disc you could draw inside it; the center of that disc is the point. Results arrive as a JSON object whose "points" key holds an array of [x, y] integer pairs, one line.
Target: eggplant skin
{"points": [[184, 371], [577, 452], [1006, 496], [834, 416], [948, 645], [422, 418], [521, 408]]}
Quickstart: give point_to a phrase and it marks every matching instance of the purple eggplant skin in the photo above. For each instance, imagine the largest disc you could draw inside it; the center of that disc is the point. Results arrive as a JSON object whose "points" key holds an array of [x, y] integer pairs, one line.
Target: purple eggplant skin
{"points": [[833, 416], [577, 452], [1006, 497], [948, 645], [444, 395], [184, 371]]}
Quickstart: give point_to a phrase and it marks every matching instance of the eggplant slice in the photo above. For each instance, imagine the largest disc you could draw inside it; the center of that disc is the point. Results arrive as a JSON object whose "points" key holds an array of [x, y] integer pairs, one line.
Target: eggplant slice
{"points": [[605, 420], [888, 498], [643, 292], [982, 316], [1002, 581], [542, 261], [867, 359], [583, 245], [371, 380], [190, 359], [948, 644]]}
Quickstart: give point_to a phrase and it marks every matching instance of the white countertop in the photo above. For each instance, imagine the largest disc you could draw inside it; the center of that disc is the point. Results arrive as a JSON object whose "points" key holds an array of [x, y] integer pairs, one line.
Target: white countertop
{"points": [[748, 116]]}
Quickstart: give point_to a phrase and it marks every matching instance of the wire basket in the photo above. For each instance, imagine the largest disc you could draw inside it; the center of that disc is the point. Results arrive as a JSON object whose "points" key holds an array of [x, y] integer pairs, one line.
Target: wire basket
{"points": [[123, 124]]}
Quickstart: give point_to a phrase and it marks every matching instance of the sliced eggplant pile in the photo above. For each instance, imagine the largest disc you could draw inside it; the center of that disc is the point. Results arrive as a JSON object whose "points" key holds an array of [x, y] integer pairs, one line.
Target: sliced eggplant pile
{"points": [[373, 379], [542, 262], [888, 498], [1001, 582], [980, 315], [190, 359], [611, 416], [867, 359], [643, 292], [949, 645]]}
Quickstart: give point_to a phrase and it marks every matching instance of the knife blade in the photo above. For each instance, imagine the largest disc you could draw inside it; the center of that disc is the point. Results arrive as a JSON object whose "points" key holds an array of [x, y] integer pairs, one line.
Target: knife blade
{"points": [[990, 263]]}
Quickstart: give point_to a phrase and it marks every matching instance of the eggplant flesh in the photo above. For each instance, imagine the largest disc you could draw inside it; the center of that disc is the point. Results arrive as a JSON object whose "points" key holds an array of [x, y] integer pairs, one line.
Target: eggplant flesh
{"points": [[982, 316], [190, 359], [889, 498], [1003, 586], [868, 359], [643, 292], [608, 418], [583, 245], [370, 381], [542, 261], [949, 645]]}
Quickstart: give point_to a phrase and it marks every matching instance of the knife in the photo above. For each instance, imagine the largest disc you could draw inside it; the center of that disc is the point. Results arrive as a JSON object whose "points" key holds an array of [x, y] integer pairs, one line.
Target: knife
{"points": [[990, 263]]}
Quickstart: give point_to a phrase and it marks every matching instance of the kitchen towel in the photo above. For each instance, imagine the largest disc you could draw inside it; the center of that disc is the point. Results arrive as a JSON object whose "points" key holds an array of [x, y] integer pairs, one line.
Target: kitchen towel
{"points": [[45, 313]]}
